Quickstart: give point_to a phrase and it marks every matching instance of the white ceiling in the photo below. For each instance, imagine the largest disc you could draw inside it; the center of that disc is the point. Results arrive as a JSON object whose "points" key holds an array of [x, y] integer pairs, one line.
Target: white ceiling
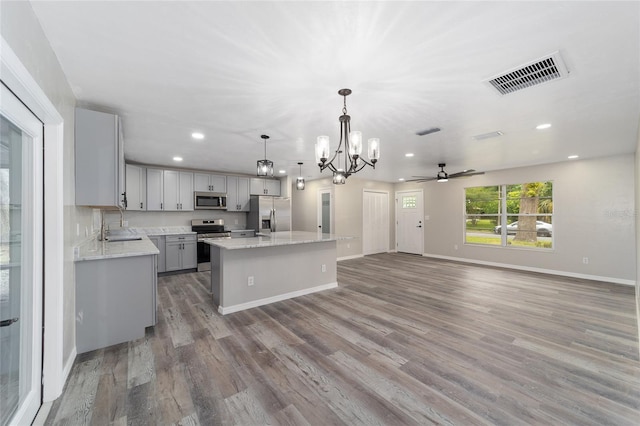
{"points": [[236, 70]]}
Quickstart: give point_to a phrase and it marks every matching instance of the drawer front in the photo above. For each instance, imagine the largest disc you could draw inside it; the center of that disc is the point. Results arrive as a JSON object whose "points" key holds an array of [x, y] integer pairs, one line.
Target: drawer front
{"points": [[181, 238]]}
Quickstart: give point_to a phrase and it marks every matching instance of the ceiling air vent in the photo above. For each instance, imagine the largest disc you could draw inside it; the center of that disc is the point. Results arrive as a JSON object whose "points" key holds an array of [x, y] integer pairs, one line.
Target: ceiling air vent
{"points": [[548, 68]]}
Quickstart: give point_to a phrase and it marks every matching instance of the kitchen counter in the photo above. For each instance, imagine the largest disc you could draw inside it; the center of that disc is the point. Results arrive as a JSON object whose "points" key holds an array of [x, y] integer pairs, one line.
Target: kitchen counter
{"points": [[250, 272], [163, 230], [94, 249], [274, 239]]}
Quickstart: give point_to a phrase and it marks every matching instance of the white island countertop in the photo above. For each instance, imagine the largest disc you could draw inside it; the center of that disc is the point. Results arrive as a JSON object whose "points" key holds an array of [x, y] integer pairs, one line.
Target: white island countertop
{"points": [[274, 239]]}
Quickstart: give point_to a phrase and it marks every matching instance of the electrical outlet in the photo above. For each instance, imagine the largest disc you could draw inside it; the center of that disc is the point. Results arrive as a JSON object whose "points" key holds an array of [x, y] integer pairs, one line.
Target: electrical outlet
{"points": [[250, 281], [455, 247], [323, 268], [77, 229], [348, 245], [236, 221], [585, 260]]}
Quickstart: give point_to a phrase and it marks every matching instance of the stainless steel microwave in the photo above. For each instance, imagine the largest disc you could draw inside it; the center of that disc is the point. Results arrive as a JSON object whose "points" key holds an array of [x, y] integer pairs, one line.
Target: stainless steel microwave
{"points": [[209, 201]]}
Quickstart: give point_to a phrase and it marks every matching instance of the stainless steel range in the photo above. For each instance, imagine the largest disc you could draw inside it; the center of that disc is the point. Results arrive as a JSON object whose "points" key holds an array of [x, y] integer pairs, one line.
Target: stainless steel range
{"points": [[207, 228]]}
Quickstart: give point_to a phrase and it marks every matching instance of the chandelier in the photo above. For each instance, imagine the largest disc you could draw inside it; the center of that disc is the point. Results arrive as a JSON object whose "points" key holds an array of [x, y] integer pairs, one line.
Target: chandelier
{"points": [[352, 149], [300, 180], [265, 167]]}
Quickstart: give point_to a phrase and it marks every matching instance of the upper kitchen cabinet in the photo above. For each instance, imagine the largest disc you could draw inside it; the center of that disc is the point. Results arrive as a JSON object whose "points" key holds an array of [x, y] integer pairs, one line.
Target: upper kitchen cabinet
{"points": [[155, 189], [204, 182], [265, 186], [99, 151], [178, 190], [237, 194], [136, 187]]}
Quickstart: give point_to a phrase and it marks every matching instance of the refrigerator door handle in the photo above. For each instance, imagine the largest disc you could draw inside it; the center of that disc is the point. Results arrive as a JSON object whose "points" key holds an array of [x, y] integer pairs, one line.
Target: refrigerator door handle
{"points": [[273, 220]]}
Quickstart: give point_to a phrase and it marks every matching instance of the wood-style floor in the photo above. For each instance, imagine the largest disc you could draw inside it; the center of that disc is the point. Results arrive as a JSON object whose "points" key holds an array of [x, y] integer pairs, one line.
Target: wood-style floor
{"points": [[403, 340]]}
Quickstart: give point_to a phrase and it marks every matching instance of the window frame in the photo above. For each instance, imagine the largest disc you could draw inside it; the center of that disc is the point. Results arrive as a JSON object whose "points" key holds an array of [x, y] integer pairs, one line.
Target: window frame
{"points": [[502, 216]]}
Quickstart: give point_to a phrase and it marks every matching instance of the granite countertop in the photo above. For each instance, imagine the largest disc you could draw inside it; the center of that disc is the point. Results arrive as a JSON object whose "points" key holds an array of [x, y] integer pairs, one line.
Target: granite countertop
{"points": [[274, 239], [94, 249], [163, 230]]}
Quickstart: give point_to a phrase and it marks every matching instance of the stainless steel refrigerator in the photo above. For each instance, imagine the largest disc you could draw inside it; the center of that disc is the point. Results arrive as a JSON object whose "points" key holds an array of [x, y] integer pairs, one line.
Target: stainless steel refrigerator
{"points": [[269, 214]]}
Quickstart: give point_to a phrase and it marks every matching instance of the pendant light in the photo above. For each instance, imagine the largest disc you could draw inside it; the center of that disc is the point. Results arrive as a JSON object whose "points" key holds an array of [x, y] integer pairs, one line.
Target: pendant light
{"points": [[300, 180], [352, 141], [265, 167]]}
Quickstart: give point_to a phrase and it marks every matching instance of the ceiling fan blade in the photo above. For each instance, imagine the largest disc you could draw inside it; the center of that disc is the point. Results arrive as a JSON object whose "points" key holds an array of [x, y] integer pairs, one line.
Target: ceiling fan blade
{"points": [[420, 179], [465, 174]]}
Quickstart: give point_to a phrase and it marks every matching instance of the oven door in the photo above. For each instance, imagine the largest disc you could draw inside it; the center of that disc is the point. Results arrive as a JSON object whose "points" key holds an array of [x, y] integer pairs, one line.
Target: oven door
{"points": [[204, 257]]}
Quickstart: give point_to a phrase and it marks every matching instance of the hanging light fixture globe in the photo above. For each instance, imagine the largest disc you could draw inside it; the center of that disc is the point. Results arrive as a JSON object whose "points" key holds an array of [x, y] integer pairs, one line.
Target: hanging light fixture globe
{"points": [[351, 144], [265, 167], [300, 180]]}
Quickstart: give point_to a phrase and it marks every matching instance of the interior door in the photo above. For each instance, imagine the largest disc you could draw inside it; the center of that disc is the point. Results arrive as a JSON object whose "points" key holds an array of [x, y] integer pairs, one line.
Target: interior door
{"points": [[325, 210], [375, 222], [21, 217], [410, 222]]}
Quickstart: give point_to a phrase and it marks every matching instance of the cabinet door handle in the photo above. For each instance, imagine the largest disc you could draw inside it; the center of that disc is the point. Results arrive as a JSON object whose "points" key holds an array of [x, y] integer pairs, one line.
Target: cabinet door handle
{"points": [[160, 206], [140, 205]]}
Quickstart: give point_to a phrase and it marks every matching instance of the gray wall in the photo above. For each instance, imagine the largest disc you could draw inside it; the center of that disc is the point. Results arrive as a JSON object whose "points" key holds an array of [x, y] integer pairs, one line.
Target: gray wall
{"points": [[593, 203], [637, 220], [594, 217], [21, 29], [348, 210]]}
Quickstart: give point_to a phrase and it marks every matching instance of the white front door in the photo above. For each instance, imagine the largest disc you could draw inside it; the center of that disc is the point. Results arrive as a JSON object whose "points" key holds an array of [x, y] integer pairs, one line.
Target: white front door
{"points": [[410, 222], [375, 222], [325, 210], [21, 261]]}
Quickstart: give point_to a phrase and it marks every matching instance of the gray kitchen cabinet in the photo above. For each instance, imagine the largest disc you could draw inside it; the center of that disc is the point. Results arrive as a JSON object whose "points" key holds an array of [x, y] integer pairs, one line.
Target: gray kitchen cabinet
{"points": [[205, 182], [237, 194], [178, 190], [159, 242], [155, 189], [265, 186], [99, 159], [136, 187], [115, 300], [181, 252]]}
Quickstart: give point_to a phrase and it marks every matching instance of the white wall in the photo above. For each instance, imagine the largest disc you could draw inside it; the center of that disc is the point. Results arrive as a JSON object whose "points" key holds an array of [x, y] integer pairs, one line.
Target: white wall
{"points": [[637, 221], [21, 29], [593, 217], [347, 208]]}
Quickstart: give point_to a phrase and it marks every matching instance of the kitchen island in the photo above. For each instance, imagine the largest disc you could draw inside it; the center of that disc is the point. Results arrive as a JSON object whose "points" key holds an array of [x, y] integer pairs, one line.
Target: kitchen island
{"points": [[250, 272]]}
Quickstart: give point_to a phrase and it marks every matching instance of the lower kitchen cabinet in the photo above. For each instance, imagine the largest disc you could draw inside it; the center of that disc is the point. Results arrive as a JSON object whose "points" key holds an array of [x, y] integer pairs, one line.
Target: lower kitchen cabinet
{"points": [[158, 240], [115, 300], [181, 252]]}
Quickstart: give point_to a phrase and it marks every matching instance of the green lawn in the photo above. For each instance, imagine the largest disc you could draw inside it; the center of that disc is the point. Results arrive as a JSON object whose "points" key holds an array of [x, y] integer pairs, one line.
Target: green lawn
{"points": [[495, 240]]}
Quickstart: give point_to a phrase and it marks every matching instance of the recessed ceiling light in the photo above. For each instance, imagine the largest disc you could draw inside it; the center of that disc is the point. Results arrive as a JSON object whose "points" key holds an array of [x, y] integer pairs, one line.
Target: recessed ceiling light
{"points": [[197, 135], [177, 158], [282, 172], [572, 157], [543, 126], [409, 154], [401, 179]]}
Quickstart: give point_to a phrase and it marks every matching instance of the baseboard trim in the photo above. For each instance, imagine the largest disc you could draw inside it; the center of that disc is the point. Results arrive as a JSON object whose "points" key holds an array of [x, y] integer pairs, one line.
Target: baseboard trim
{"points": [[224, 310], [532, 269], [353, 256], [68, 366]]}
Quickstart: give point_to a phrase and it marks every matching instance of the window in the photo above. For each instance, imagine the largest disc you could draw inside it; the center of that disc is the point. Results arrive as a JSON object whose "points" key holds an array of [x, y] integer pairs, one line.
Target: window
{"points": [[526, 210], [409, 201]]}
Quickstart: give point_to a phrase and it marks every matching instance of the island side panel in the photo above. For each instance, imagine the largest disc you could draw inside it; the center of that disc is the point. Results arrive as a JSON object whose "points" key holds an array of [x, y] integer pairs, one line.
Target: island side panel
{"points": [[276, 271], [215, 255]]}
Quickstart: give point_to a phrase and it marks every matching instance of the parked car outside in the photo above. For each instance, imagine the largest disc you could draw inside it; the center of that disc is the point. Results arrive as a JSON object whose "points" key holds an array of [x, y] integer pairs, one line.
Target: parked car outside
{"points": [[543, 229]]}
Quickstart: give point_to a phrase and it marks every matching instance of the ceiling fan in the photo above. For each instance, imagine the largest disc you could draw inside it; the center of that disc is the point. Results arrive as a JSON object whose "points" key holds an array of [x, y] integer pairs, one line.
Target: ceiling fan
{"points": [[443, 176]]}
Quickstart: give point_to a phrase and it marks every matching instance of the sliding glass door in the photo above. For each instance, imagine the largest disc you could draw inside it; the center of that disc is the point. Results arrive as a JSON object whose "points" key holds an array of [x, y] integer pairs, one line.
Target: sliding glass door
{"points": [[21, 261]]}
